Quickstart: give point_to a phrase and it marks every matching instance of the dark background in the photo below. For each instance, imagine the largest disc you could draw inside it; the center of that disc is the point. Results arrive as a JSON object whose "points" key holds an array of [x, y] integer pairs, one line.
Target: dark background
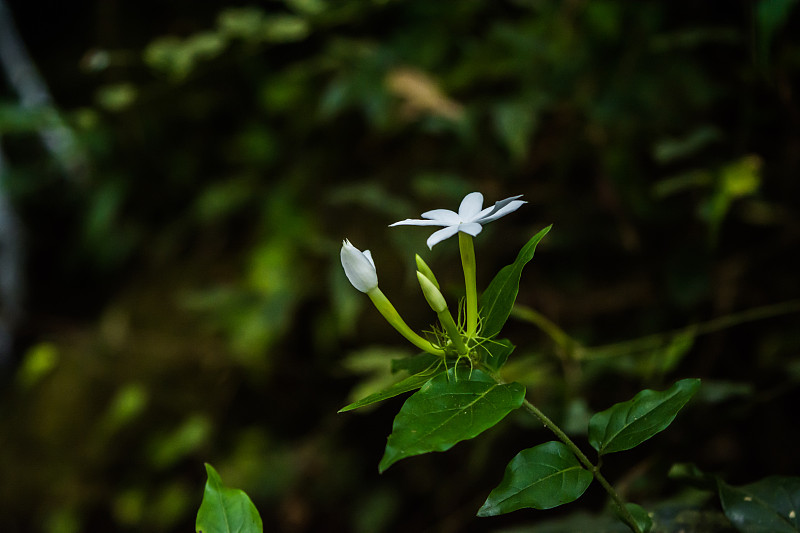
{"points": [[183, 300]]}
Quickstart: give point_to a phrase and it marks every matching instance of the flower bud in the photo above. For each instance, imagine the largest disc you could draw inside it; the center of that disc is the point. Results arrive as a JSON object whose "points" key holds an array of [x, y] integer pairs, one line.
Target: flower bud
{"points": [[359, 267], [432, 294], [426, 271]]}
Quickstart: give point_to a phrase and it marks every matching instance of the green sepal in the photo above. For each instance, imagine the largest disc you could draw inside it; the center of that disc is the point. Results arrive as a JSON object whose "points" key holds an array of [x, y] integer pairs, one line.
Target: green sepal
{"points": [[226, 510], [498, 298], [453, 406], [542, 477], [628, 424]]}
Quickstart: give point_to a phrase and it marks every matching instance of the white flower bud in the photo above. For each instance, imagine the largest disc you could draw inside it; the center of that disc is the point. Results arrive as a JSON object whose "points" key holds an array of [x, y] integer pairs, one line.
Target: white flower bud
{"points": [[359, 267]]}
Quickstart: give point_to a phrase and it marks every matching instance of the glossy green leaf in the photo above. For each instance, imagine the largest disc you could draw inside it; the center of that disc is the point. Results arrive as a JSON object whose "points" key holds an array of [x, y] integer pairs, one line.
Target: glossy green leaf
{"points": [[401, 387], [453, 406], [640, 516], [628, 424], [541, 477], [771, 505], [498, 298], [226, 510], [416, 364]]}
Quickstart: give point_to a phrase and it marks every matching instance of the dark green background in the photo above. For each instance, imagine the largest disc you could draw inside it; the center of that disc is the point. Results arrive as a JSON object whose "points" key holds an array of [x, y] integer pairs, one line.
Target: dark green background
{"points": [[184, 297]]}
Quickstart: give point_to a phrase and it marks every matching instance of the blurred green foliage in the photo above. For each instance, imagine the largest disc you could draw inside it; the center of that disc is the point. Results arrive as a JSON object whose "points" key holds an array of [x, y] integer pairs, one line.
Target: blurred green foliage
{"points": [[186, 302]]}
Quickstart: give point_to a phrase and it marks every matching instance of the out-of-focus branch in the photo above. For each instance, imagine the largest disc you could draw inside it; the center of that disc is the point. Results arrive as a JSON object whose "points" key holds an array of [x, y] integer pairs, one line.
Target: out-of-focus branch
{"points": [[24, 78], [60, 142], [11, 276]]}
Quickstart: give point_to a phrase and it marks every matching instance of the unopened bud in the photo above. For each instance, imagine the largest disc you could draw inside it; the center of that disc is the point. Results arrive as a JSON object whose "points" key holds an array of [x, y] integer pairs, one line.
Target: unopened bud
{"points": [[426, 271], [431, 293], [359, 267]]}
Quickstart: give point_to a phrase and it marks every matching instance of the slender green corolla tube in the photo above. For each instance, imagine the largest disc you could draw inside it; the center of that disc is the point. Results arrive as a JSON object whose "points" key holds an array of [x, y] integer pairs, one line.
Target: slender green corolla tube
{"points": [[467, 249], [360, 270], [385, 307]]}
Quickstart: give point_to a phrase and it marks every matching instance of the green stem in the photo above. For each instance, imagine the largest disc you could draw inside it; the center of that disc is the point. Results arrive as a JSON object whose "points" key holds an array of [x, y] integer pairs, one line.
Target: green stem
{"points": [[626, 516], [558, 335], [385, 307], [650, 342], [467, 249]]}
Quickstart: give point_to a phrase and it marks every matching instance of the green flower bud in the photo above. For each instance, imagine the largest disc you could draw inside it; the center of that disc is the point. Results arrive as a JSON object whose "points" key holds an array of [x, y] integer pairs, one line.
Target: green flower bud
{"points": [[426, 271], [432, 294]]}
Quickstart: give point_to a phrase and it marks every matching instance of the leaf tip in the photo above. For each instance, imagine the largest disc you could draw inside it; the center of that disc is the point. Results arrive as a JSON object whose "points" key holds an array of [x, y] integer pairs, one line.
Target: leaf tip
{"points": [[384, 464], [486, 510]]}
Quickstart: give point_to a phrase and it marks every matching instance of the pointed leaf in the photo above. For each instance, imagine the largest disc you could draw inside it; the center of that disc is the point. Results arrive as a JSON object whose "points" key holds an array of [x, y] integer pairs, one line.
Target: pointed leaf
{"points": [[401, 387], [771, 505], [452, 407], [541, 477], [498, 298], [226, 510], [628, 424], [416, 364]]}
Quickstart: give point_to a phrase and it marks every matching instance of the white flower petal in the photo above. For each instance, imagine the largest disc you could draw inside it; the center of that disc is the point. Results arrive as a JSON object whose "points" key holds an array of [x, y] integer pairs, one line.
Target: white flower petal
{"points": [[469, 219], [445, 216], [470, 206], [368, 255], [358, 267], [418, 222], [442, 234], [470, 228], [486, 212], [505, 209]]}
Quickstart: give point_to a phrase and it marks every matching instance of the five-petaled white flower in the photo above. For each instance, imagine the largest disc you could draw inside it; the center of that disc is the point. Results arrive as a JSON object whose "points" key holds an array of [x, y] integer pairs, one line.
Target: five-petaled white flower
{"points": [[359, 267], [469, 219]]}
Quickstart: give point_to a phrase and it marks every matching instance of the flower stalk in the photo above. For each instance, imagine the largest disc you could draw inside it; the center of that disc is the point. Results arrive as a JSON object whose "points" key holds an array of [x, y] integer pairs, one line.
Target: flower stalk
{"points": [[467, 250], [360, 270], [385, 308]]}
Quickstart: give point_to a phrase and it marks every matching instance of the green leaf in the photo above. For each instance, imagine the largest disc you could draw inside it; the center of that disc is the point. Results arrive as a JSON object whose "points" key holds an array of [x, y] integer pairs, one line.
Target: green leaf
{"points": [[771, 505], [453, 406], [416, 364], [495, 353], [541, 477], [641, 517], [628, 424], [226, 510], [498, 298], [401, 387]]}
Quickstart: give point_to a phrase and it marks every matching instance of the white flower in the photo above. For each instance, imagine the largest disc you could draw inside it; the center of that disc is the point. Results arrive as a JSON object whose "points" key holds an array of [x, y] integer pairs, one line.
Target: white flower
{"points": [[359, 267], [469, 219]]}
